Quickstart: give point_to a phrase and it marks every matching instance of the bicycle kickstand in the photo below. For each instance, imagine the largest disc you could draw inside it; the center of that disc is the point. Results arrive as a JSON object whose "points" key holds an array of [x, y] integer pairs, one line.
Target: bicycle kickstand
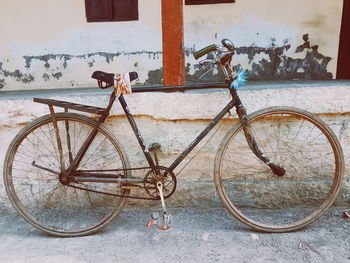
{"points": [[163, 221]]}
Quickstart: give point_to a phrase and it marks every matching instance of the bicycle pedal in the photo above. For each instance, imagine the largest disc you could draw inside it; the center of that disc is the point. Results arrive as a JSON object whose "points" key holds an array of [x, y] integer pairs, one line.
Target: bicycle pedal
{"points": [[164, 222]]}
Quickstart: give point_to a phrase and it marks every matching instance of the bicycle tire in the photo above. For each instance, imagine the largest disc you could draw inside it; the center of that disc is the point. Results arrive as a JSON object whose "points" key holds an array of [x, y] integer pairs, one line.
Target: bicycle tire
{"points": [[39, 196], [297, 141]]}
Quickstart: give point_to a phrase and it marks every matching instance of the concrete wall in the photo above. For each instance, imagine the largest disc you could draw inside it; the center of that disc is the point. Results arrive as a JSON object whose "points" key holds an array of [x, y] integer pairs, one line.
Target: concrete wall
{"points": [[49, 44], [161, 119]]}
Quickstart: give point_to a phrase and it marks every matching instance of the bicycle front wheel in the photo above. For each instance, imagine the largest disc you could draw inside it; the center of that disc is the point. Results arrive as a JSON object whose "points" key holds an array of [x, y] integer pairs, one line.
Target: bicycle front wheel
{"points": [[35, 190], [304, 146]]}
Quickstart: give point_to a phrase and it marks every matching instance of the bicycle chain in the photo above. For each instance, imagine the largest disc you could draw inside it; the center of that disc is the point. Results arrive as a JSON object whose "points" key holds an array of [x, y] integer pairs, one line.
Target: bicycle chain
{"points": [[116, 195], [119, 170], [119, 195]]}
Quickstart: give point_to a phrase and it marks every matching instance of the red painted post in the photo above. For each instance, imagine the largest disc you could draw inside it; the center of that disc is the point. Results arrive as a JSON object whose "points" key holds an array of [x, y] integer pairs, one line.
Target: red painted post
{"points": [[173, 49]]}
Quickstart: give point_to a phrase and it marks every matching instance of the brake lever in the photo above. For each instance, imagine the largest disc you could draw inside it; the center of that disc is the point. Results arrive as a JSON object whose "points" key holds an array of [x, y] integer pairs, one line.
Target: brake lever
{"points": [[206, 61], [222, 49]]}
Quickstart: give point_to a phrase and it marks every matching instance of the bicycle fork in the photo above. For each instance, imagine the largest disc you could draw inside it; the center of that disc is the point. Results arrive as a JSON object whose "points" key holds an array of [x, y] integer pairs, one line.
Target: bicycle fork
{"points": [[248, 133]]}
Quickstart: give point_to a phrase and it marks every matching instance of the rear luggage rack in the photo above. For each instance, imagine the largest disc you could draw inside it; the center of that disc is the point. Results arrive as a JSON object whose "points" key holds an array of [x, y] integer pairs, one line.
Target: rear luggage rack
{"points": [[73, 106]]}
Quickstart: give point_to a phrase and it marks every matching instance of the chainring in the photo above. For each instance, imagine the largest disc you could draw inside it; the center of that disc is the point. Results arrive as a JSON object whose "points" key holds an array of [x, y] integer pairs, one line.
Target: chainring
{"points": [[165, 176]]}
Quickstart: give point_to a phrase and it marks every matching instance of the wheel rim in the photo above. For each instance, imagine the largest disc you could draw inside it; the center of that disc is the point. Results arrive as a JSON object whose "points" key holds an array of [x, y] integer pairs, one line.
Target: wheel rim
{"points": [[304, 148], [40, 197]]}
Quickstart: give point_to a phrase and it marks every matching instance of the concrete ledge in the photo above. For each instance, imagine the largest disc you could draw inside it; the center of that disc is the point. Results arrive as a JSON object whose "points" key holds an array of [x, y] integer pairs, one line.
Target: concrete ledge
{"points": [[174, 120], [328, 97]]}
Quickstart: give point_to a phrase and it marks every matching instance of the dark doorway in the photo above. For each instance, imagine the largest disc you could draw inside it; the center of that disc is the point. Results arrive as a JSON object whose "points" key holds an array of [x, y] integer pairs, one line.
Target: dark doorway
{"points": [[343, 67]]}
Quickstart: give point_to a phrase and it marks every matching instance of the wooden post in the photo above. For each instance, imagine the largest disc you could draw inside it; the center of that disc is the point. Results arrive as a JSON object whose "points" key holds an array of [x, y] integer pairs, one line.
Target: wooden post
{"points": [[173, 49], [343, 67]]}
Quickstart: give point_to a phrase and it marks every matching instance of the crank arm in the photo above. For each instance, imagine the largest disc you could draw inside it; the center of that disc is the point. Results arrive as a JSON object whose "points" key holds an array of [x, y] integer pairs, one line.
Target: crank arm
{"points": [[45, 169], [160, 190], [163, 221]]}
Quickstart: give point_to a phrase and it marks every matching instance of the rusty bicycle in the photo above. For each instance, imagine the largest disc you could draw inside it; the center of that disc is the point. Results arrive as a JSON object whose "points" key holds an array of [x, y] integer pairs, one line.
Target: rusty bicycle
{"points": [[276, 170]]}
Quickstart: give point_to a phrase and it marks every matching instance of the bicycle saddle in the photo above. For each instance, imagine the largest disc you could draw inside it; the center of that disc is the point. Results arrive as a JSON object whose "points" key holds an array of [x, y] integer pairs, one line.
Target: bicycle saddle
{"points": [[106, 80]]}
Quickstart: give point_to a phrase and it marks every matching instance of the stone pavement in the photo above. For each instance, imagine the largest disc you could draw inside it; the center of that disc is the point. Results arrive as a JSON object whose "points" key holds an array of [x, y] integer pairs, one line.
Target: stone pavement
{"points": [[197, 235]]}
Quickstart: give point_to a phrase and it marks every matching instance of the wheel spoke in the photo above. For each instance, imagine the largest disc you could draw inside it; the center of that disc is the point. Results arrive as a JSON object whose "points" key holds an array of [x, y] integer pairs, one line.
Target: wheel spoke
{"points": [[300, 144], [41, 197]]}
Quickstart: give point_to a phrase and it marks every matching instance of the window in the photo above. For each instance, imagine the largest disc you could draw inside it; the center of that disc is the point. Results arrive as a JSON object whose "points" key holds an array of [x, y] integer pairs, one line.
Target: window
{"points": [[204, 2], [111, 10]]}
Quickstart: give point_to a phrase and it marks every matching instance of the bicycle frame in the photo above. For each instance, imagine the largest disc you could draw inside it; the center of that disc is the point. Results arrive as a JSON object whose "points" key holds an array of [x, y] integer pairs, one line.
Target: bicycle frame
{"points": [[97, 176], [235, 102]]}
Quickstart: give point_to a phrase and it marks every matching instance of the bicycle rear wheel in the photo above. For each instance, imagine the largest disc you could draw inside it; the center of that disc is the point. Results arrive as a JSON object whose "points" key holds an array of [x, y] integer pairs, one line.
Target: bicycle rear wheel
{"points": [[40, 197], [295, 140]]}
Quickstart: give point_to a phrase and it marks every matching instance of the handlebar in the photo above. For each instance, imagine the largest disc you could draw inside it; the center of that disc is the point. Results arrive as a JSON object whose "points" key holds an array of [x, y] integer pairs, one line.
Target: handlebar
{"points": [[227, 47], [223, 58], [206, 50]]}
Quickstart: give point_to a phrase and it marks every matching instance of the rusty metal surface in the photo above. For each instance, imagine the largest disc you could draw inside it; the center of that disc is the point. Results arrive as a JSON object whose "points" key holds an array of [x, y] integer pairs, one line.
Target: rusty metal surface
{"points": [[70, 105]]}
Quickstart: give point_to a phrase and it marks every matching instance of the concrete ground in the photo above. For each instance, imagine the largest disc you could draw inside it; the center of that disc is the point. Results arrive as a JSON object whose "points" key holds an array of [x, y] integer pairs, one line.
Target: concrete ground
{"points": [[197, 235]]}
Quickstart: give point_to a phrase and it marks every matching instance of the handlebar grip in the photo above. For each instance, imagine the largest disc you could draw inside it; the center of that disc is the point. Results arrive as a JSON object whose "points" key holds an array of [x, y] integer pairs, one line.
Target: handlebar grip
{"points": [[204, 51]]}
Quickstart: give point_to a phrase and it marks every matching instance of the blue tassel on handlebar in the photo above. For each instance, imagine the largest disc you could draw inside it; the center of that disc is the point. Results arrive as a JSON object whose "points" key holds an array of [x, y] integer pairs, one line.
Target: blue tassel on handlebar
{"points": [[241, 79]]}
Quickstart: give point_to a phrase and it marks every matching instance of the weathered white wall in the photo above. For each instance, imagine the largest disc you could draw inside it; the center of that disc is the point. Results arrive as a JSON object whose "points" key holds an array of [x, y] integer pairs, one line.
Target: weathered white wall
{"points": [[270, 30], [49, 44]]}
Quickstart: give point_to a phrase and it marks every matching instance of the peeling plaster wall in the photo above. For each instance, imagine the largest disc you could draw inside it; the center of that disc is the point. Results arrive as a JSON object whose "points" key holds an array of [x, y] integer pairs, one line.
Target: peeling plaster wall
{"points": [[49, 44], [274, 39]]}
